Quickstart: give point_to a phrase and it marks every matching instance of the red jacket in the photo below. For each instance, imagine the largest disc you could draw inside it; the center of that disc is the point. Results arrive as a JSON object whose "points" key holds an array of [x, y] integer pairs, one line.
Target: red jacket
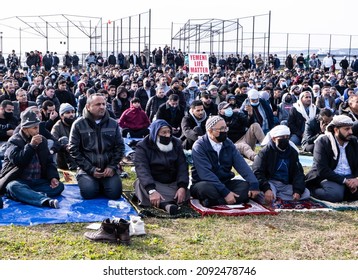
{"points": [[134, 118]]}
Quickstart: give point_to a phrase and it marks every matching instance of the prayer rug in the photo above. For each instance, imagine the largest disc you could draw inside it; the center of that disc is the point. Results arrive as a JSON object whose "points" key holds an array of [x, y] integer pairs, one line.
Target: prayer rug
{"points": [[250, 208], [302, 205], [338, 206], [185, 211]]}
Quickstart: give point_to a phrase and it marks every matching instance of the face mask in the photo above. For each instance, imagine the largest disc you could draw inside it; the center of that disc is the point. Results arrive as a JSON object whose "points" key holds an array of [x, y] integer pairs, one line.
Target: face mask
{"points": [[284, 85], [8, 115], [165, 140], [255, 103], [222, 137], [228, 112], [69, 121], [283, 144], [147, 84]]}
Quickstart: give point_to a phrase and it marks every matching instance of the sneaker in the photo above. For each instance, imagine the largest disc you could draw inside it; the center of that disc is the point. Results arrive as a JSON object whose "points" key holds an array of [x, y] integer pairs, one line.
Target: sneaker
{"points": [[136, 226], [124, 175], [172, 209], [53, 203]]}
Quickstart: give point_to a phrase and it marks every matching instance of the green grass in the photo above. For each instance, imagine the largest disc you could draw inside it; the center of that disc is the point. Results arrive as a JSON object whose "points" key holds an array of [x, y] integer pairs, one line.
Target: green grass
{"points": [[286, 236]]}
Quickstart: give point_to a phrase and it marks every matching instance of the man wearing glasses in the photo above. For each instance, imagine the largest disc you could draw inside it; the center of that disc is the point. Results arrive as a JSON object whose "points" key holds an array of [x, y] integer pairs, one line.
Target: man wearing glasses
{"points": [[214, 156]]}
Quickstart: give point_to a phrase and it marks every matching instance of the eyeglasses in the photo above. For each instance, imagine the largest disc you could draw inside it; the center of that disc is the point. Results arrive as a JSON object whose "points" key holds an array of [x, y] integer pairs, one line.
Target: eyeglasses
{"points": [[221, 129]]}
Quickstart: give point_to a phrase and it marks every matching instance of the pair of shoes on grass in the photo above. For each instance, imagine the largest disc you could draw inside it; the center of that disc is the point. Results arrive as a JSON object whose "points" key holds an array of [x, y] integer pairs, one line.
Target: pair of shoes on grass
{"points": [[112, 231]]}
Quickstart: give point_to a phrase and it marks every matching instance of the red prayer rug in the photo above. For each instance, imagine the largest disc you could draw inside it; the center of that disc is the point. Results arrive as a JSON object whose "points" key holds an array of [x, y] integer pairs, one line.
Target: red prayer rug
{"points": [[250, 208]]}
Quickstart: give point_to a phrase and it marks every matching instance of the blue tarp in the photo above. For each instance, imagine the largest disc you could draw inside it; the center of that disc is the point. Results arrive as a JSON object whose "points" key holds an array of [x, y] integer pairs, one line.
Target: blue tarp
{"points": [[73, 209], [306, 160]]}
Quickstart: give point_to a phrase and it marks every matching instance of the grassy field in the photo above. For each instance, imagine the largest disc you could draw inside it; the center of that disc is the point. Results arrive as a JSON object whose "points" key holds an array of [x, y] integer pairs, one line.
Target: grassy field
{"points": [[287, 236]]}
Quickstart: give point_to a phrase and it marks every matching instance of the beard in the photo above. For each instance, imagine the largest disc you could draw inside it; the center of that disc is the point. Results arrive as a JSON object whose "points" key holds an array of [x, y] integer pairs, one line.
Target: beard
{"points": [[344, 138]]}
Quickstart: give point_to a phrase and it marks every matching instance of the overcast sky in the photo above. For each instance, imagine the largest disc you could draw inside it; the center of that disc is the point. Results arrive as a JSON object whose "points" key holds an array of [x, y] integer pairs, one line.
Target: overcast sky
{"points": [[304, 16]]}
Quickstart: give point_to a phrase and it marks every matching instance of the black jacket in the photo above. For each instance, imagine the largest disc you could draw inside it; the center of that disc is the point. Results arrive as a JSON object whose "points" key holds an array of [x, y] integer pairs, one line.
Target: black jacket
{"points": [[141, 93], [173, 118], [96, 145], [191, 131], [153, 105], [265, 164], [151, 164], [19, 155], [296, 122], [238, 125], [312, 131], [324, 162]]}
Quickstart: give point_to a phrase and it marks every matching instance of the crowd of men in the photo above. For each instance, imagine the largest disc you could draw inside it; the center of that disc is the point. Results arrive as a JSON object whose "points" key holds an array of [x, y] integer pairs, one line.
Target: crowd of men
{"points": [[81, 117]]}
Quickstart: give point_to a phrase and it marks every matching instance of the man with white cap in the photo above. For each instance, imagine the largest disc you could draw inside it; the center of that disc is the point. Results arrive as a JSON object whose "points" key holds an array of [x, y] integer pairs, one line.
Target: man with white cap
{"points": [[334, 173], [214, 156], [29, 174], [258, 110], [278, 168]]}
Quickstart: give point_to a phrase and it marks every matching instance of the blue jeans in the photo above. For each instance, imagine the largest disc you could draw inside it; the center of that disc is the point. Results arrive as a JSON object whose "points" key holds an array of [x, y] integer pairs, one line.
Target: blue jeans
{"points": [[34, 192], [91, 187]]}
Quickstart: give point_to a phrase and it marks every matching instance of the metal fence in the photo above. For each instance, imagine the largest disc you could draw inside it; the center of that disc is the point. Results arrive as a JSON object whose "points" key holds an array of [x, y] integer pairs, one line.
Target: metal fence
{"points": [[247, 35], [61, 33], [252, 35]]}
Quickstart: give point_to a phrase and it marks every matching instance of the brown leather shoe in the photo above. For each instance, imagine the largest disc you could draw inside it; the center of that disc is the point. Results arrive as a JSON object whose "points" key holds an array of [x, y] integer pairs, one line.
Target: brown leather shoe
{"points": [[106, 233], [123, 231]]}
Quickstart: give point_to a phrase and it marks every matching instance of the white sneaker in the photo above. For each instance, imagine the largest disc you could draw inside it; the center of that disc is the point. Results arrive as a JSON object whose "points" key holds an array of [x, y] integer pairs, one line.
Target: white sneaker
{"points": [[136, 226]]}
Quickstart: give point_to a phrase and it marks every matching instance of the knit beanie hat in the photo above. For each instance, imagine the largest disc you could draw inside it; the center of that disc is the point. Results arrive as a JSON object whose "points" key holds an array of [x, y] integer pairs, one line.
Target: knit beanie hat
{"points": [[211, 121], [175, 80], [65, 107]]}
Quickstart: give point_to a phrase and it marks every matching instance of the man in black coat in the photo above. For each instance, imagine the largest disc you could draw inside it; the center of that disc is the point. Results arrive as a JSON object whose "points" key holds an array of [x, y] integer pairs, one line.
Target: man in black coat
{"points": [[278, 168], [172, 113], [97, 147], [314, 128], [161, 168], [29, 174], [333, 176], [193, 124]]}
